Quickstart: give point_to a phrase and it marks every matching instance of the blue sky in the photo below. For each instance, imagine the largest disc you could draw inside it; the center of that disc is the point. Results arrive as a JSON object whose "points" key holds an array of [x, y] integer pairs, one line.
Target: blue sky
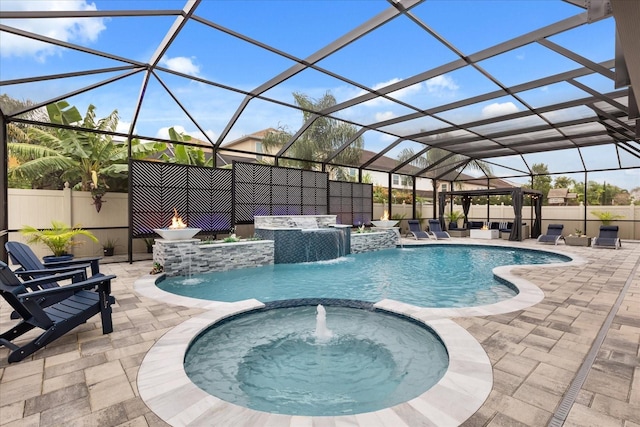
{"points": [[394, 52]]}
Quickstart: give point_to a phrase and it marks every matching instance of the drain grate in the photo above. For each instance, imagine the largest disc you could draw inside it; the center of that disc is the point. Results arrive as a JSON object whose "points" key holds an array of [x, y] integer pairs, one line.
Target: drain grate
{"points": [[571, 395]]}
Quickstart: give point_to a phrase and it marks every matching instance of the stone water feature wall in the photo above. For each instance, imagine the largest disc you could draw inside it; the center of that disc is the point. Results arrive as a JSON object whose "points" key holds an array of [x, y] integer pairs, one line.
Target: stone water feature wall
{"points": [[185, 257], [304, 238], [367, 242], [284, 240]]}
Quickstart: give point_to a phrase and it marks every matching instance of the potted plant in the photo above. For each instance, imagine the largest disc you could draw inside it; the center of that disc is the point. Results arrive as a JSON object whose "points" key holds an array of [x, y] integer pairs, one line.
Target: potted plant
{"points": [[108, 247], [59, 238], [149, 241], [454, 216], [606, 217]]}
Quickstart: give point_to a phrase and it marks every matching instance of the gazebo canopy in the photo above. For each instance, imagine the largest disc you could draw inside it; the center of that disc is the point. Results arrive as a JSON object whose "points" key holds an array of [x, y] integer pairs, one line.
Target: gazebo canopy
{"points": [[517, 201]]}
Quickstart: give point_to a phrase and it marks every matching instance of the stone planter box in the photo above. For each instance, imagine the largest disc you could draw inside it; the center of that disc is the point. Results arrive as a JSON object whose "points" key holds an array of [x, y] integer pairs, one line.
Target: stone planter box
{"points": [[577, 240], [367, 242], [185, 257]]}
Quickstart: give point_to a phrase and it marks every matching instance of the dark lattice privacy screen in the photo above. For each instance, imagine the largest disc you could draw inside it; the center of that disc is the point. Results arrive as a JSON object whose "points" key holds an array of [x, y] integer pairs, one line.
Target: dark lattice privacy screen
{"points": [[216, 199], [271, 190], [352, 202], [202, 196]]}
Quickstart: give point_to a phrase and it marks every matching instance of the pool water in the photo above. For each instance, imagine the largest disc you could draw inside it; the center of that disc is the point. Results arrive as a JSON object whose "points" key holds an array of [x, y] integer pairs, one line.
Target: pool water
{"points": [[272, 361], [427, 276]]}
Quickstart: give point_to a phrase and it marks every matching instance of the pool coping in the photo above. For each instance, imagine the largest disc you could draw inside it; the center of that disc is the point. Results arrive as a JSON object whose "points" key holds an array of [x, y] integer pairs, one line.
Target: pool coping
{"points": [[166, 389]]}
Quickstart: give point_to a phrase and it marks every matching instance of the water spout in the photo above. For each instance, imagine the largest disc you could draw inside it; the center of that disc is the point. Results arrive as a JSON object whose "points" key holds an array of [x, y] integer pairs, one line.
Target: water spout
{"points": [[322, 332]]}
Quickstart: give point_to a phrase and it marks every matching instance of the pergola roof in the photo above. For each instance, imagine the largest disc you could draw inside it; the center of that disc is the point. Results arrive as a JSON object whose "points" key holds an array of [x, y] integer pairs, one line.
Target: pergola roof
{"points": [[576, 102]]}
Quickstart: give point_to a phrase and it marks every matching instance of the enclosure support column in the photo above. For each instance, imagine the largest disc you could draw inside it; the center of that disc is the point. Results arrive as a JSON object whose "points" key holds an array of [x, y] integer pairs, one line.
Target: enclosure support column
{"points": [[584, 215], [4, 196], [434, 184], [413, 214], [389, 198]]}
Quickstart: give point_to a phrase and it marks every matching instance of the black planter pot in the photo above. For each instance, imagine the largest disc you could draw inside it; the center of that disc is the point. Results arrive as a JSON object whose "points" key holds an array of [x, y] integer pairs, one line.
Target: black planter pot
{"points": [[60, 258], [108, 251]]}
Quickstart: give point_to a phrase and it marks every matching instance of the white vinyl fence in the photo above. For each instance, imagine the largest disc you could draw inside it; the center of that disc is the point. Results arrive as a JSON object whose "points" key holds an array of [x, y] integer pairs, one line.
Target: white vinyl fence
{"points": [[39, 207]]}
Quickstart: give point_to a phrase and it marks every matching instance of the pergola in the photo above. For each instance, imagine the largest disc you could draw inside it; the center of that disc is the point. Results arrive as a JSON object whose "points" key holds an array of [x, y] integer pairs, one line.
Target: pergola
{"points": [[517, 201], [593, 112]]}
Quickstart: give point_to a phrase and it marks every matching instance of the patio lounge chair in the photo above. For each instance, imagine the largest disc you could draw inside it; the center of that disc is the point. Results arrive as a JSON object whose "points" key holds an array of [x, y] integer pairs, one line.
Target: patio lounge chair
{"points": [[31, 267], [554, 234], [608, 237], [81, 301], [435, 231], [414, 228]]}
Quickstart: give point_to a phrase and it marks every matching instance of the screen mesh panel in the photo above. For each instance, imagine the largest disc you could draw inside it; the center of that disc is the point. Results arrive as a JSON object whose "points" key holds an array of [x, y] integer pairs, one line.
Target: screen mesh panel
{"points": [[272, 190], [202, 197], [352, 202]]}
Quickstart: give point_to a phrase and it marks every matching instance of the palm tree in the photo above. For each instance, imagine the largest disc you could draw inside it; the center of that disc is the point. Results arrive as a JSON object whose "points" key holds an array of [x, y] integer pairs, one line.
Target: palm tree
{"points": [[323, 137], [84, 158], [442, 159]]}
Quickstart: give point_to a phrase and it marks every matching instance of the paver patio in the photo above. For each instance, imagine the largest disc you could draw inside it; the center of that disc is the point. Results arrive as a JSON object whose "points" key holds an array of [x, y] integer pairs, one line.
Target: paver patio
{"points": [[86, 378]]}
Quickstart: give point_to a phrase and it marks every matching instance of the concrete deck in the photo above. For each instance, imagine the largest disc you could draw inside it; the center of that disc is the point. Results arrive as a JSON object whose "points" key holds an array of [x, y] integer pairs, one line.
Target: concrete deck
{"points": [[536, 352]]}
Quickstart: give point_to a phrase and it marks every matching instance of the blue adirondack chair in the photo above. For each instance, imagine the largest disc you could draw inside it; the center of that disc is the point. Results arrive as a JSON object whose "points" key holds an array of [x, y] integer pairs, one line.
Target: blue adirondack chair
{"points": [[31, 267], [77, 303]]}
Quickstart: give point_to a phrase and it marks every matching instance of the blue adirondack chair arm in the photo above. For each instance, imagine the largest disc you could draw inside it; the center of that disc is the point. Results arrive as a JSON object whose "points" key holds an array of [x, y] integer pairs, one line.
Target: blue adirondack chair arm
{"points": [[51, 271]]}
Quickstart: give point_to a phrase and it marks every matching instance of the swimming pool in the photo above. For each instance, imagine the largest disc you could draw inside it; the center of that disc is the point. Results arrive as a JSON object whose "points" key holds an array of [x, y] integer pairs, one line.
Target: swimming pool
{"points": [[426, 276]]}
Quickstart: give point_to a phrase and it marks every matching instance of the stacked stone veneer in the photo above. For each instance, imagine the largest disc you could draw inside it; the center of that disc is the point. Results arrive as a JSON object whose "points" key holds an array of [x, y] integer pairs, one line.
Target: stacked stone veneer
{"points": [[185, 257], [367, 242], [294, 221]]}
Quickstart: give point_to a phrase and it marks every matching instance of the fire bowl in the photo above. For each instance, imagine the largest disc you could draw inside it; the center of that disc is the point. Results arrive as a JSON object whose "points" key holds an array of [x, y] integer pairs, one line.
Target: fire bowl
{"points": [[177, 233], [385, 223]]}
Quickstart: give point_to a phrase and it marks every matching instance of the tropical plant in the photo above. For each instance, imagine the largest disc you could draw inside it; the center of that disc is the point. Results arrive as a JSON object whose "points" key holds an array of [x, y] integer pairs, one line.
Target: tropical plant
{"points": [[148, 242], [320, 140], [185, 154], [602, 194], [606, 217], [86, 159], [109, 246], [109, 243], [564, 182], [59, 238], [454, 216]]}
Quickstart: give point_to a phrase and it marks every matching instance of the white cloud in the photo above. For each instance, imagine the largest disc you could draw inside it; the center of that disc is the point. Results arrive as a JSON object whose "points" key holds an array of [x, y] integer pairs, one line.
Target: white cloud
{"points": [[72, 30], [441, 84], [123, 127], [385, 115], [164, 133], [181, 64], [499, 109], [400, 94]]}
